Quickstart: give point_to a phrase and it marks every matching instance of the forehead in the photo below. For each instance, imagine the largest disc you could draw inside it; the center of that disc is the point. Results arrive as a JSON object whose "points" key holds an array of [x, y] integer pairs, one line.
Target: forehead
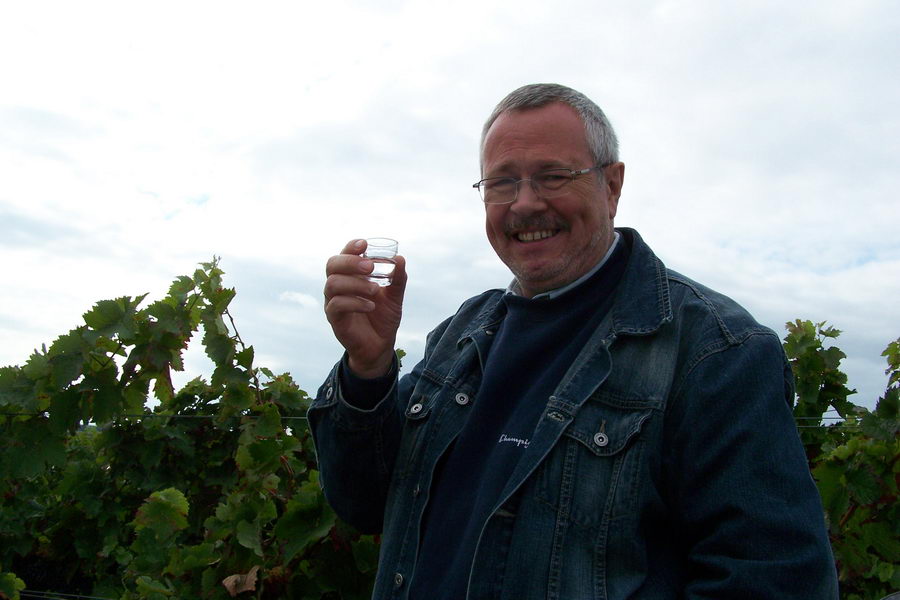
{"points": [[552, 135]]}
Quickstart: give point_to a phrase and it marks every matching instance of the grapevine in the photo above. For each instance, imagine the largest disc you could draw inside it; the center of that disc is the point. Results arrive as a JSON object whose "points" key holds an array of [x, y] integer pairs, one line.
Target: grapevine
{"points": [[115, 485]]}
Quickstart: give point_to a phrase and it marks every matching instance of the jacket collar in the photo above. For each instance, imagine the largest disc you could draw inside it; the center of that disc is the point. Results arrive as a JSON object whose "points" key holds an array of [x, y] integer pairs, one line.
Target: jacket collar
{"points": [[489, 317], [641, 305]]}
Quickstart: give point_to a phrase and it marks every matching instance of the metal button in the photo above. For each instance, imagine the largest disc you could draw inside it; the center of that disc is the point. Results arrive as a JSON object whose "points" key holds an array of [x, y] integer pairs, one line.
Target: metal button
{"points": [[398, 579], [489, 332], [462, 399], [601, 439], [416, 408], [329, 392]]}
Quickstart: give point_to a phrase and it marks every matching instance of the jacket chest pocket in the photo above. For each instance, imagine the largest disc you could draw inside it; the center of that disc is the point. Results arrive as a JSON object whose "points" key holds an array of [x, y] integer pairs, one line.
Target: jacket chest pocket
{"points": [[593, 470]]}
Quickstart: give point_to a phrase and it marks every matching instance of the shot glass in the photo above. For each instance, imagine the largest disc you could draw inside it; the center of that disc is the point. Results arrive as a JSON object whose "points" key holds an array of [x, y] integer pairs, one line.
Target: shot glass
{"points": [[381, 251]]}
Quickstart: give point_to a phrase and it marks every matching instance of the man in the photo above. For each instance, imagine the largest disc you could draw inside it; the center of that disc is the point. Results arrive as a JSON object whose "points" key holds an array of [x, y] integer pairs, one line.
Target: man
{"points": [[605, 428]]}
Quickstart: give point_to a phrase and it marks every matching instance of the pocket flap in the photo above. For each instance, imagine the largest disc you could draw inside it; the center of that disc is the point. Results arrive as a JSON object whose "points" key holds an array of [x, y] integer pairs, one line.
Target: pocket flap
{"points": [[605, 430]]}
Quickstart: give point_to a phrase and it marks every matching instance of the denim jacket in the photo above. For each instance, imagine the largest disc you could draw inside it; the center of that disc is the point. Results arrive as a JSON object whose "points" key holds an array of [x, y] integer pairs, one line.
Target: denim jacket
{"points": [[666, 464]]}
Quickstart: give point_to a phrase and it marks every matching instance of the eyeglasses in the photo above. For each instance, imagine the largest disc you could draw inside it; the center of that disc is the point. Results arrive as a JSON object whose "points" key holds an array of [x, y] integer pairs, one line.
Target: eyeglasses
{"points": [[548, 184]]}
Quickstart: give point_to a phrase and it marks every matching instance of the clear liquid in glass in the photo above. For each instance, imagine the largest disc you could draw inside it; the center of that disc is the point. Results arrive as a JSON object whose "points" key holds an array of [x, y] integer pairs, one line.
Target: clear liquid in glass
{"points": [[384, 269]]}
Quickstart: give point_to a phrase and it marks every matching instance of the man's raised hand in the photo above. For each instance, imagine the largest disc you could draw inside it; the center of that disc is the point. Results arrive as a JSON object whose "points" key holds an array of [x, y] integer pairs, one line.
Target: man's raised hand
{"points": [[363, 316]]}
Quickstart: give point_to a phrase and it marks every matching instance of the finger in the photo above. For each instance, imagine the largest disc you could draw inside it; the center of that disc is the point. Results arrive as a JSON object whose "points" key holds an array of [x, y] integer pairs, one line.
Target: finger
{"points": [[348, 264], [398, 278], [356, 247], [341, 306], [348, 285]]}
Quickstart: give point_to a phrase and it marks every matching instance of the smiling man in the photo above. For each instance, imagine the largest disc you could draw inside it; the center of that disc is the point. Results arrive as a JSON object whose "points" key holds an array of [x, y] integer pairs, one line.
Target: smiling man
{"points": [[603, 428], [547, 237]]}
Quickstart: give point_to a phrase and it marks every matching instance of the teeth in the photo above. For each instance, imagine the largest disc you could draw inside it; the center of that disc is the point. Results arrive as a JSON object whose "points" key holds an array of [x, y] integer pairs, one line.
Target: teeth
{"points": [[530, 236]]}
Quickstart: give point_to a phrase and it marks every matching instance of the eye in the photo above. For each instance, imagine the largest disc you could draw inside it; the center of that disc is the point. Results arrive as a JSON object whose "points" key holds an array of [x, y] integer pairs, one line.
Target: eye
{"points": [[499, 184], [553, 179]]}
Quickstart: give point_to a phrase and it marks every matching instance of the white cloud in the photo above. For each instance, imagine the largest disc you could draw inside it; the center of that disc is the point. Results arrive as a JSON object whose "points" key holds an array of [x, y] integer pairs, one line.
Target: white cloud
{"points": [[761, 144], [304, 300]]}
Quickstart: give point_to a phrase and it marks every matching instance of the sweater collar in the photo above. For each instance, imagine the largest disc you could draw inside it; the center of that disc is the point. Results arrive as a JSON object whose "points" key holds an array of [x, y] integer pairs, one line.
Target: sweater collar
{"points": [[514, 288]]}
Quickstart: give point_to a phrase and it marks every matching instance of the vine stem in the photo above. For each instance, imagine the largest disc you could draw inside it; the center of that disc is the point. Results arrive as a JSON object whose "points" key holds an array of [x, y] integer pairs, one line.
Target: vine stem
{"points": [[237, 336], [847, 516], [110, 357]]}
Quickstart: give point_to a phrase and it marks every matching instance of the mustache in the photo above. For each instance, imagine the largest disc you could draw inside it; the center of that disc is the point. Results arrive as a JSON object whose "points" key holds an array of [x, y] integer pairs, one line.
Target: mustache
{"points": [[533, 223]]}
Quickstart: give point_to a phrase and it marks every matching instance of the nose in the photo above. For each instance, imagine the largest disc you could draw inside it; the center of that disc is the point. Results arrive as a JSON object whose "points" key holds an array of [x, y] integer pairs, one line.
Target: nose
{"points": [[527, 199]]}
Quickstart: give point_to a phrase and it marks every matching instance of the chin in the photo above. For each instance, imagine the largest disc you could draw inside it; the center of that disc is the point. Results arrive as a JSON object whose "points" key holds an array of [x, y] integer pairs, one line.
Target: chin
{"points": [[539, 280]]}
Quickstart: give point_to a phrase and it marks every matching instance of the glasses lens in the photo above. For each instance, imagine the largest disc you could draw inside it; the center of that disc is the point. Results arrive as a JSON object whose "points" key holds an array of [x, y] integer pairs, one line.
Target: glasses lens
{"points": [[553, 181], [498, 191]]}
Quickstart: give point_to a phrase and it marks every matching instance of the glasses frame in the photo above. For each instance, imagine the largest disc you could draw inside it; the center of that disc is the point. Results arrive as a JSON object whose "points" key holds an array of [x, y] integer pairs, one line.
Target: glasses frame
{"points": [[575, 173]]}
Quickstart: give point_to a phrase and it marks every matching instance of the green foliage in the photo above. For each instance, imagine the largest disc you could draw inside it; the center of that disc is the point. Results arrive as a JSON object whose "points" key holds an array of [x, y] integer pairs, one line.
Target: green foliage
{"points": [[10, 586], [856, 462], [212, 491]]}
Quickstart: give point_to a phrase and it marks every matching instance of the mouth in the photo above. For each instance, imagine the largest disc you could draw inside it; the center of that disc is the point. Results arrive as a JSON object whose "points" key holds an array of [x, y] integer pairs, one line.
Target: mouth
{"points": [[535, 236]]}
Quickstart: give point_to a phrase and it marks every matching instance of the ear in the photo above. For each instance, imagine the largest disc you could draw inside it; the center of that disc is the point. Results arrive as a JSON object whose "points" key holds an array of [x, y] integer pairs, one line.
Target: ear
{"points": [[614, 178]]}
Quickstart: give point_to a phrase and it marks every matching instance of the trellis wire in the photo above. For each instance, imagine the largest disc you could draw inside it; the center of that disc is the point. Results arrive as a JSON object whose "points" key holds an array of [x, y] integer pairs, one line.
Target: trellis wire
{"points": [[836, 424], [58, 595]]}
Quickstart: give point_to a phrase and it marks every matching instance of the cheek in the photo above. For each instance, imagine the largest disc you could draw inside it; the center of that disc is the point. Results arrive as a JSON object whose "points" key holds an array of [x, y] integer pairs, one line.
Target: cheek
{"points": [[494, 216]]}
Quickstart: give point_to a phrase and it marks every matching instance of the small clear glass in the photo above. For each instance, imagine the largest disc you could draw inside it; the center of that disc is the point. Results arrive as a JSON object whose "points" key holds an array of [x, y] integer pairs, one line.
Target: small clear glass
{"points": [[381, 251]]}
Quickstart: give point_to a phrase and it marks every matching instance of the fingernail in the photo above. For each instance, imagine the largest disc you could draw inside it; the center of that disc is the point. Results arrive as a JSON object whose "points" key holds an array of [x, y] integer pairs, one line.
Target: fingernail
{"points": [[358, 244], [366, 265]]}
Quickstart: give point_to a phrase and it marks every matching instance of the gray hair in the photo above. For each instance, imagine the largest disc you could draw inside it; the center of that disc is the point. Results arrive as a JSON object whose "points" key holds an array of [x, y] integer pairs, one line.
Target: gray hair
{"points": [[600, 136]]}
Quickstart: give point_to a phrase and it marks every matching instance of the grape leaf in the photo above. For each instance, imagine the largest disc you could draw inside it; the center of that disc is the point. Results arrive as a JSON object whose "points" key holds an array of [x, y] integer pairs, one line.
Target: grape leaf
{"points": [[107, 402], [219, 348], [65, 412], [111, 318], [192, 557], [883, 540], [16, 389], [268, 424], [245, 357], [164, 513], [181, 287], [66, 358], [365, 554], [862, 484], [248, 536], [834, 494], [298, 528], [10, 586]]}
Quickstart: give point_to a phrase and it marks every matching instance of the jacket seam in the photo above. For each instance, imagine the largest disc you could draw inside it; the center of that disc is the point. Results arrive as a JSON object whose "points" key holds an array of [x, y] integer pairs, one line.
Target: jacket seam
{"points": [[710, 306], [711, 350]]}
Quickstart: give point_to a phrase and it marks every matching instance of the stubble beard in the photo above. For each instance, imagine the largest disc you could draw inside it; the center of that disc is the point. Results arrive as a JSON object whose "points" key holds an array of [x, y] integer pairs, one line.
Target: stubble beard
{"points": [[547, 277]]}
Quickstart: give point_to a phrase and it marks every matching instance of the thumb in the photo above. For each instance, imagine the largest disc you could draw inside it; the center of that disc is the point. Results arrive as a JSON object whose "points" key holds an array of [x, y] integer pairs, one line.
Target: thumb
{"points": [[398, 280]]}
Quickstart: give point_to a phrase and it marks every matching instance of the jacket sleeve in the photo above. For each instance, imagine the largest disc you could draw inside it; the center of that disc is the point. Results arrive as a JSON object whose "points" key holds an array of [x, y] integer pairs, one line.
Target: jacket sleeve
{"points": [[749, 514], [356, 448]]}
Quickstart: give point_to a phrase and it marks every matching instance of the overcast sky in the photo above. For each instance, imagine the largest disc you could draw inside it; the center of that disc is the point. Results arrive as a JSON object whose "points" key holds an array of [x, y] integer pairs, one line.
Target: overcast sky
{"points": [[137, 139]]}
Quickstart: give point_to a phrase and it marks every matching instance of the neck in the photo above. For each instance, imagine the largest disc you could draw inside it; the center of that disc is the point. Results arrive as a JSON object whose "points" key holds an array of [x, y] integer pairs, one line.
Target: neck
{"points": [[516, 288]]}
